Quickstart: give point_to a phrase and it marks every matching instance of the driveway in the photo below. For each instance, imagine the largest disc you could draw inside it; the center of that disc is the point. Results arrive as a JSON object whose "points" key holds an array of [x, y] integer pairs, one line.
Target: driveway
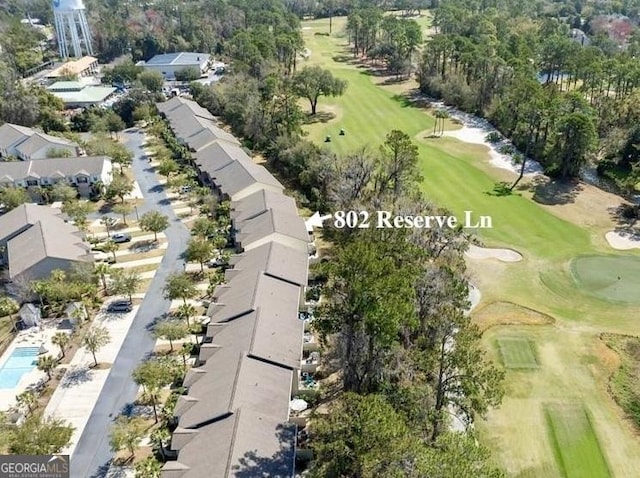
{"points": [[92, 455]]}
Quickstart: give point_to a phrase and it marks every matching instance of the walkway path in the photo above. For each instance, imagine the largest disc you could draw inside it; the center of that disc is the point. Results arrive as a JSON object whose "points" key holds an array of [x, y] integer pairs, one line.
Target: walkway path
{"points": [[92, 455]]}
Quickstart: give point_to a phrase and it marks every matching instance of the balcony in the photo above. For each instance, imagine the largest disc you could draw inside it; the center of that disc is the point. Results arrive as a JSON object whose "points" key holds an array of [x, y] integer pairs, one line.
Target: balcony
{"points": [[307, 317], [309, 342], [310, 363], [307, 382]]}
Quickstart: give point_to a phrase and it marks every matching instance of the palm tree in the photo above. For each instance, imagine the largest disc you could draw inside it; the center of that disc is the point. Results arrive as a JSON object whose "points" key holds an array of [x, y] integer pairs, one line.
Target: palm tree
{"points": [[47, 363], [159, 437], [440, 116], [443, 116], [27, 400], [108, 222], [61, 339], [185, 312], [8, 306], [95, 339], [111, 247], [101, 270], [186, 350]]}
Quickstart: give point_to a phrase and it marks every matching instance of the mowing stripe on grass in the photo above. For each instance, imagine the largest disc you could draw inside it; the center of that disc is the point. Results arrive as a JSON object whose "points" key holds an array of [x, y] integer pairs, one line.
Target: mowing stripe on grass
{"points": [[450, 170], [574, 441], [517, 352]]}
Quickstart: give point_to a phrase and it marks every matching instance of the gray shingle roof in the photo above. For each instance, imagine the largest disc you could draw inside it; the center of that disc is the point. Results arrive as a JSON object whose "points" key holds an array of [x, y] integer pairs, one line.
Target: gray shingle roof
{"points": [[178, 103], [207, 136], [53, 167], [193, 124], [242, 174], [25, 215], [10, 134], [49, 237], [218, 155], [259, 202], [274, 259], [270, 306], [247, 443], [39, 141], [236, 381], [232, 420], [272, 222]]}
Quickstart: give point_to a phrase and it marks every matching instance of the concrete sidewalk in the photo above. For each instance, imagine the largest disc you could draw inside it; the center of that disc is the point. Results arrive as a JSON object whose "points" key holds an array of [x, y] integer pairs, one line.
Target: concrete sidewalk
{"points": [[79, 389], [139, 262], [129, 252]]}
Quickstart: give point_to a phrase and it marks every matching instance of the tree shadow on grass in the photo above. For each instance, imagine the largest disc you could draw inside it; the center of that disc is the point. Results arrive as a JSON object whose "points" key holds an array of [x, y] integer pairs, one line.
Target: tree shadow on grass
{"points": [[319, 117], [413, 98], [501, 189], [144, 246], [346, 57], [553, 192]]}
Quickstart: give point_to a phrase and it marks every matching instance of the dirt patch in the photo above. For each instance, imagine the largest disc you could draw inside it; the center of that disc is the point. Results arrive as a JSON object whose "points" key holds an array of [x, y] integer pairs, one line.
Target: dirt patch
{"points": [[580, 203], [609, 359], [508, 313]]}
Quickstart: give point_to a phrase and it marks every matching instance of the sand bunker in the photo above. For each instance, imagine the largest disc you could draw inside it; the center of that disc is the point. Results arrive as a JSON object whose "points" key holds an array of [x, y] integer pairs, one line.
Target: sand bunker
{"points": [[475, 131], [504, 255], [623, 241], [474, 297]]}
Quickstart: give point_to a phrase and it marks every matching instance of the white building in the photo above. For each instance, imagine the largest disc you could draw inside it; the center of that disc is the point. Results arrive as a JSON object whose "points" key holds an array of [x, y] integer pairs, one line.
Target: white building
{"points": [[168, 63], [82, 173]]}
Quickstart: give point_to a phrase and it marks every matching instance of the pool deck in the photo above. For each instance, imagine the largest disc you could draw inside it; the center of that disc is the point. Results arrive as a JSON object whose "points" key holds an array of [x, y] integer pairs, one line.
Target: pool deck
{"points": [[31, 337]]}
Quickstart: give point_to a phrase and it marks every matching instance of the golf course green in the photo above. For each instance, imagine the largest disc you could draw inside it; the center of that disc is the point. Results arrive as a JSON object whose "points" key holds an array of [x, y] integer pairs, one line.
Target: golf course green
{"points": [[612, 278], [542, 317]]}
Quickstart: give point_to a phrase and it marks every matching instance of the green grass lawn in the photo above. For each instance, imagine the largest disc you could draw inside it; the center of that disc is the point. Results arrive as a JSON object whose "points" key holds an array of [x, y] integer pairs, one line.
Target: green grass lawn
{"points": [[613, 278], [517, 352], [459, 177], [452, 174], [575, 443]]}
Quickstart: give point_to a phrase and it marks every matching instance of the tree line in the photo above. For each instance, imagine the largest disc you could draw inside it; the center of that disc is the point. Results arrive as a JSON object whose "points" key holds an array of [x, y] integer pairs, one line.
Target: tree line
{"points": [[393, 318], [562, 103]]}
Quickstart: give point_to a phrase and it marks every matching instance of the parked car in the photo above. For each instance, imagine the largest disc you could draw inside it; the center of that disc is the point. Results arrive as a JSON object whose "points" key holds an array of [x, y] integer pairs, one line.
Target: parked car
{"points": [[120, 306], [217, 262], [118, 238]]}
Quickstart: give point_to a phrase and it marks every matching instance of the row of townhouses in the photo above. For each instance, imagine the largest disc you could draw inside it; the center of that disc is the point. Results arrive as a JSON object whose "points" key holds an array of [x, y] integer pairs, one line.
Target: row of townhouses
{"points": [[27, 161], [35, 240], [234, 418], [26, 144]]}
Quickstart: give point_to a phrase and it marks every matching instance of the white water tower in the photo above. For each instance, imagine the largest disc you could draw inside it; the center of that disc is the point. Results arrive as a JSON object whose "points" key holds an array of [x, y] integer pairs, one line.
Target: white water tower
{"points": [[72, 29]]}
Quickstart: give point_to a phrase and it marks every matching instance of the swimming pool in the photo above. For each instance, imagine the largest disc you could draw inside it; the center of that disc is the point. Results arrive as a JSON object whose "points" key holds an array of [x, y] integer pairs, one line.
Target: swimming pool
{"points": [[22, 360]]}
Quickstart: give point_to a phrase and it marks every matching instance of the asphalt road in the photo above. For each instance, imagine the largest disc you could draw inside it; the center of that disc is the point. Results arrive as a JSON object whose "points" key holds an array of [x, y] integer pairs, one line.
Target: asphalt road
{"points": [[92, 456]]}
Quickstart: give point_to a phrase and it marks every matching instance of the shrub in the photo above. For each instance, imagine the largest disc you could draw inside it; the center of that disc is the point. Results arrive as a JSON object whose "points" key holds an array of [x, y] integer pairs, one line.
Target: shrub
{"points": [[507, 149], [494, 137], [630, 211]]}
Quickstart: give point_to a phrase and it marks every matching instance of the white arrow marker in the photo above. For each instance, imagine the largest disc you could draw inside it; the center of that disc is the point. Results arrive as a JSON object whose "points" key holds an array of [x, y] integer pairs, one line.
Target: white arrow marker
{"points": [[316, 221]]}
